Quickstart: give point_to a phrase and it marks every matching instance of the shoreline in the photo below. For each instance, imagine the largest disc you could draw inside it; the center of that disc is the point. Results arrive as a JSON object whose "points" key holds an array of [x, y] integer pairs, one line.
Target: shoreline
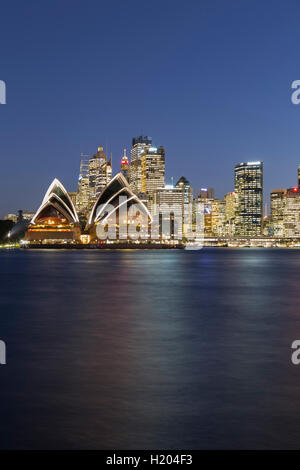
{"points": [[128, 246]]}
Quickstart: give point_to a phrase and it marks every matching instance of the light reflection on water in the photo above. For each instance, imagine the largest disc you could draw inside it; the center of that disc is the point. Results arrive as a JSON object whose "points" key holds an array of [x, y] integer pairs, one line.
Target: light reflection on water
{"points": [[150, 349]]}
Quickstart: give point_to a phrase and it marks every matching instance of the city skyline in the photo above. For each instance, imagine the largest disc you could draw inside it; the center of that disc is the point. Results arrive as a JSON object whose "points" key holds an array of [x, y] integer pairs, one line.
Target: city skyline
{"points": [[116, 161], [178, 213], [168, 181], [194, 78]]}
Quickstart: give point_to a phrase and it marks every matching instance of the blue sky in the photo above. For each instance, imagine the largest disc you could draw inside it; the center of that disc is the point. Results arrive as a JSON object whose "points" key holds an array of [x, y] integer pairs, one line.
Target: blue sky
{"points": [[209, 80]]}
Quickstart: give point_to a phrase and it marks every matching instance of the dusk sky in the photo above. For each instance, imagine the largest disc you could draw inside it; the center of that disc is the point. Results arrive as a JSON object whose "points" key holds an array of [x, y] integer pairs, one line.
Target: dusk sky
{"points": [[210, 80]]}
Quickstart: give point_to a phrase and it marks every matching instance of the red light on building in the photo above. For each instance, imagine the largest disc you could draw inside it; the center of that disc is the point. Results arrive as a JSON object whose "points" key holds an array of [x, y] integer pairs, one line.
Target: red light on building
{"points": [[295, 190]]}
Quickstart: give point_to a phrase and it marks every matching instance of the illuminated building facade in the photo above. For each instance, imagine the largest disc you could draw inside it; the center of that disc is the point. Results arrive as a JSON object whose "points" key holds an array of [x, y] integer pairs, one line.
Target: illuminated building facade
{"points": [[27, 215], [291, 213], [205, 198], [168, 207], [207, 209], [73, 196], [231, 201], [218, 217], [135, 176], [188, 208], [12, 217], [139, 144], [207, 193], [125, 166], [277, 200], [83, 193], [99, 174], [56, 220], [187, 190], [152, 170], [285, 212], [248, 179]]}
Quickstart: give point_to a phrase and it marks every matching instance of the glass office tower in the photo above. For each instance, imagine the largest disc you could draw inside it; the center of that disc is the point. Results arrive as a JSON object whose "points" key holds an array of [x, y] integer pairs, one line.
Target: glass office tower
{"points": [[248, 183]]}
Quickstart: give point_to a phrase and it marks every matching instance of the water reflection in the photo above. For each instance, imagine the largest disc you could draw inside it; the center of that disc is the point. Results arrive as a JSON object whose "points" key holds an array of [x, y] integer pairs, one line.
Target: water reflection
{"points": [[125, 349]]}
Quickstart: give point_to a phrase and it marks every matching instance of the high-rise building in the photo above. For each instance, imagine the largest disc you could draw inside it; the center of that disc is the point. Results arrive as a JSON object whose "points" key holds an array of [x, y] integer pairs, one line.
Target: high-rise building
{"points": [[230, 206], [139, 144], [277, 200], [285, 212], [207, 193], [95, 173], [168, 195], [83, 193], [152, 170], [218, 217], [99, 172], [188, 208], [125, 166], [291, 213], [73, 196], [135, 176], [168, 206], [206, 203], [187, 189], [231, 201], [248, 179], [298, 176]]}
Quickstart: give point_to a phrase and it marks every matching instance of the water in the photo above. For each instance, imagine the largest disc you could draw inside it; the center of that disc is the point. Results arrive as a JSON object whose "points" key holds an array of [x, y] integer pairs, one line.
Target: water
{"points": [[150, 349]]}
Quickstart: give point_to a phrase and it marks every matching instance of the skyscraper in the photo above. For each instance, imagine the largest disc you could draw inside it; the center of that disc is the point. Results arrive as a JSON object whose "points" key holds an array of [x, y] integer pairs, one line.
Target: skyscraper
{"points": [[206, 197], [99, 173], [73, 197], [248, 182], [138, 146], [218, 217], [291, 213], [231, 200], [152, 170], [207, 193], [187, 202], [125, 165], [185, 185], [168, 205], [277, 199], [230, 206], [83, 194]]}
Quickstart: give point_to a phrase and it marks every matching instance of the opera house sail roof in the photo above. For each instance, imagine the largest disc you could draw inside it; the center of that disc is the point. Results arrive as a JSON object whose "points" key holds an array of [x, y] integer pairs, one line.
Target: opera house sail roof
{"points": [[56, 218], [113, 196]]}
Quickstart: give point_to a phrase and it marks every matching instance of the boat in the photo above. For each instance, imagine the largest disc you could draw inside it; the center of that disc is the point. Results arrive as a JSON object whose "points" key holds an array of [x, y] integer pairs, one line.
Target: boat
{"points": [[194, 245]]}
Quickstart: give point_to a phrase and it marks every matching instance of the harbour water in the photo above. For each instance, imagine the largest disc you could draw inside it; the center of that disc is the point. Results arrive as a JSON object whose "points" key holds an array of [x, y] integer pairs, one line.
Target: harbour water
{"points": [[150, 349]]}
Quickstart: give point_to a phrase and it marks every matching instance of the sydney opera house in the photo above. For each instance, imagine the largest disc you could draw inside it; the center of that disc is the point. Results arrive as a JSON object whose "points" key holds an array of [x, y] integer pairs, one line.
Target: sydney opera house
{"points": [[56, 220], [113, 209]]}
